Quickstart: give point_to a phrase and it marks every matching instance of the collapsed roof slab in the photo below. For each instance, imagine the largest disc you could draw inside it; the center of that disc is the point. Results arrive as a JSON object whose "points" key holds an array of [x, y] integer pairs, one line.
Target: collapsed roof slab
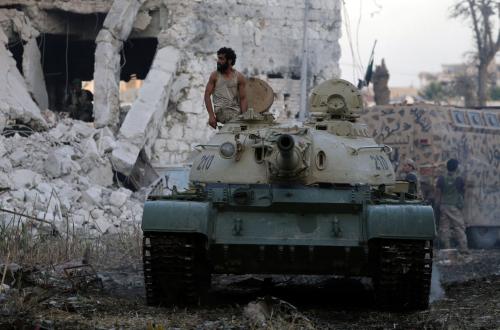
{"points": [[142, 123], [15, 100], [75, 6]]}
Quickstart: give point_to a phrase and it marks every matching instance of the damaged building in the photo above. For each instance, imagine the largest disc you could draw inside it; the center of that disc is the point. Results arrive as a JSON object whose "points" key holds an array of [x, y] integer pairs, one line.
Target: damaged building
{"points": [[144, 66], [169, 46]]}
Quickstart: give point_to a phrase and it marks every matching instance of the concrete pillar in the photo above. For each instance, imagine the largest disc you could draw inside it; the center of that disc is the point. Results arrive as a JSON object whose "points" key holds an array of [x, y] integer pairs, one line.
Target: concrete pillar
{"points": [[33, 74], [143, 122], [117, 27]]}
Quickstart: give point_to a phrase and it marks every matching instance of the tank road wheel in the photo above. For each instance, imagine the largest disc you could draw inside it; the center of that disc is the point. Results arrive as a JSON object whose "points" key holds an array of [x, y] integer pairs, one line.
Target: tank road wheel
{"points": [[175, 269], [402, 276]]}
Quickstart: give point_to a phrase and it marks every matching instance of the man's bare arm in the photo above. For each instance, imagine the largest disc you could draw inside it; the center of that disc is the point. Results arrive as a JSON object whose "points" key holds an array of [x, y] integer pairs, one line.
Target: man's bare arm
{"points": [[209, 89], [243, 93]]}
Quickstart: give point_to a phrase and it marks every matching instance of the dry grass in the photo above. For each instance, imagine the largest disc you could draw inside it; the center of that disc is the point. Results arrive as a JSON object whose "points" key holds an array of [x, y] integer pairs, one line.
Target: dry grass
{"points": [[29, 243]]}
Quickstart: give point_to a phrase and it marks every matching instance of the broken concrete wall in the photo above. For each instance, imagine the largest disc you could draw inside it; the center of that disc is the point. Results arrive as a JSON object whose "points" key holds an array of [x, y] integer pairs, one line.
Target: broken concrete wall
{"points": [[267, 38], [75, 6], [266, 34], [18, 27], [15, 100], [142, 123], [117, 27], [33, 74]]}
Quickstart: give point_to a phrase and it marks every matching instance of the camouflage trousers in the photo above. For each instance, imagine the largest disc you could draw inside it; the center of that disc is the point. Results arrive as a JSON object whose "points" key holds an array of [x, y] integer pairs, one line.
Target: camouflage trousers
{"points": [[225, 115], [452, 226]]}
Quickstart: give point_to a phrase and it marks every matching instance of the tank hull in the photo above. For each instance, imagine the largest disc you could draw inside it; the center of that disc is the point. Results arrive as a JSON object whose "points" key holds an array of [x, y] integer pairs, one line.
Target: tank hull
{"points": [[266, 229]]}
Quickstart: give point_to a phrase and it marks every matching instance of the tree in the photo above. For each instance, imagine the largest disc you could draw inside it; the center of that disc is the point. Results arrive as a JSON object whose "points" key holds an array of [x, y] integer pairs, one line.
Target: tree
{"points": [[495, 93], [463, 85], [380, 82], [437, 91], [480, 14]]}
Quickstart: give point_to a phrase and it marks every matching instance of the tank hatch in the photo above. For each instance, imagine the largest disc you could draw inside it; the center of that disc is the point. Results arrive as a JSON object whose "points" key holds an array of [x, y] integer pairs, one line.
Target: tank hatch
{"points": [[260, 95], [336, 99]]}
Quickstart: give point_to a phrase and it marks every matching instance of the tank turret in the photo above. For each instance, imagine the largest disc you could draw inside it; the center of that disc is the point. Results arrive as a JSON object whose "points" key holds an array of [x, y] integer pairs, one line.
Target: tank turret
{"points": [[330, 148]]}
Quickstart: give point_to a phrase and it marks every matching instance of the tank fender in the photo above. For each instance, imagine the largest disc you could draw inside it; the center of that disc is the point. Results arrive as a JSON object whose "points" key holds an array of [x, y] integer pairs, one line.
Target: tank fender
{"points": [[400, 221], [176, 216]]}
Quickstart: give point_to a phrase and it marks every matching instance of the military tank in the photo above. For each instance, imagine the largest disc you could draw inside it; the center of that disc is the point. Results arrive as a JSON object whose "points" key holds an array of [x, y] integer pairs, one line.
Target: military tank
{"points": [[264, 198]]}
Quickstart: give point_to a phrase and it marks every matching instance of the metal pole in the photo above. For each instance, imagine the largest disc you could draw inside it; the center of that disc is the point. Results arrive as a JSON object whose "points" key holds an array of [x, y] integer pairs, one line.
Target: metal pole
{"points": [[303, 71]]}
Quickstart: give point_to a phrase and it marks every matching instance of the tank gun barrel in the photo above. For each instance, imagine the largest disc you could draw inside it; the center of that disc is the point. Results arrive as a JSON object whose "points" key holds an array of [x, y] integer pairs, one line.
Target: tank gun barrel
{"points": [[287, 159]]}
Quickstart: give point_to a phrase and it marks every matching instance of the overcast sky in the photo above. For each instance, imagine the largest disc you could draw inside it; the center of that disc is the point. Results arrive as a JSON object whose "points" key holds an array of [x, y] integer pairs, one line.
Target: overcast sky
{"points": [[412, 35]]}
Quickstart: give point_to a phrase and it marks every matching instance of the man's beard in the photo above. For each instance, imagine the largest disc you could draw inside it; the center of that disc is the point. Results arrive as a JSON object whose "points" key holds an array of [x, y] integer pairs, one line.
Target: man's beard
{"points": [[222, 67]]}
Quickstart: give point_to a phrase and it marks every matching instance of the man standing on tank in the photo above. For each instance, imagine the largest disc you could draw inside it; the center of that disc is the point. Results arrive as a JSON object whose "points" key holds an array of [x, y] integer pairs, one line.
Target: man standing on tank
{"points": [[226, 86], [450, 190]]}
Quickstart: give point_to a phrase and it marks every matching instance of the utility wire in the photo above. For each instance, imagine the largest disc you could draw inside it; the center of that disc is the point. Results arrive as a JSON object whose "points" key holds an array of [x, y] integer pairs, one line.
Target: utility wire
{"points": [[66, 60], [357, 35], [349, 38]]}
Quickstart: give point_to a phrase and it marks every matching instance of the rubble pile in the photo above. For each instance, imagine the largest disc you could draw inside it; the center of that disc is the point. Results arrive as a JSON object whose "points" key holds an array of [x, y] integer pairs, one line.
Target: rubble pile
{"points": [[64, 174]]}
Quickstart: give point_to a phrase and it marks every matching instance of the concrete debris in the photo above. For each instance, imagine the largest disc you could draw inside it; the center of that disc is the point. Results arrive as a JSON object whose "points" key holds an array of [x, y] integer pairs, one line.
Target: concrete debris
{"points": [[121, 17], [15, 100], [79, 7], [117, 27], [119, 197], [142, 21], [142, 123], [62, 175], [16, 23]]}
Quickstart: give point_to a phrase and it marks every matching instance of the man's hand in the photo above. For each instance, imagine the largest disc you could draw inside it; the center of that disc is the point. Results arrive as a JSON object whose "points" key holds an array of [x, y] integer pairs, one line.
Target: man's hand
{"points": [[212, 121]]}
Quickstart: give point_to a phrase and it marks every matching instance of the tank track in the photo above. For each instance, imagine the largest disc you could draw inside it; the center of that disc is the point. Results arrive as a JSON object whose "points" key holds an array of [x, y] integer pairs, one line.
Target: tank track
{"points": [[403, 275], [175, 269]]}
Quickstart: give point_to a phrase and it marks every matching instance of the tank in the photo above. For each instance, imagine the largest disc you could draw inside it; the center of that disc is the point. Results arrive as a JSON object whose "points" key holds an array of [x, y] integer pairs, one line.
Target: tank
{"points": [[318, 198], [432, 134]]}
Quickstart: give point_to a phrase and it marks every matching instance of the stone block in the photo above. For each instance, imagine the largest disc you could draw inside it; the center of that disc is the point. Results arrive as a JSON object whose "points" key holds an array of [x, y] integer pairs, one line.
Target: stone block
{"points": [[59, 162], [5, 165], [93, 196], [25, 179], [101, 174], [118, 198], [17, 157], [142, 21], [5, 181]]}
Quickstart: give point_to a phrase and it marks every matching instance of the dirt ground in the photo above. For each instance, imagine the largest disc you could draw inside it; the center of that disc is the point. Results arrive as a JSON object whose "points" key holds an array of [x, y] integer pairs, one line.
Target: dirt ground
{"points": [[471, 300]]}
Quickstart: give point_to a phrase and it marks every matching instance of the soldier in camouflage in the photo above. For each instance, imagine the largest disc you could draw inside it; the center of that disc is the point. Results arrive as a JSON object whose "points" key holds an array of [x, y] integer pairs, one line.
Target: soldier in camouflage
{"points": [[410, 175], [450, 200], [80, 102]]}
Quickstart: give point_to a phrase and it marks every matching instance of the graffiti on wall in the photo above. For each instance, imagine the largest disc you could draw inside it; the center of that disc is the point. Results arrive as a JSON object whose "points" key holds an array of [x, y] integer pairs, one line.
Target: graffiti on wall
{"points": [[431, 135]]}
